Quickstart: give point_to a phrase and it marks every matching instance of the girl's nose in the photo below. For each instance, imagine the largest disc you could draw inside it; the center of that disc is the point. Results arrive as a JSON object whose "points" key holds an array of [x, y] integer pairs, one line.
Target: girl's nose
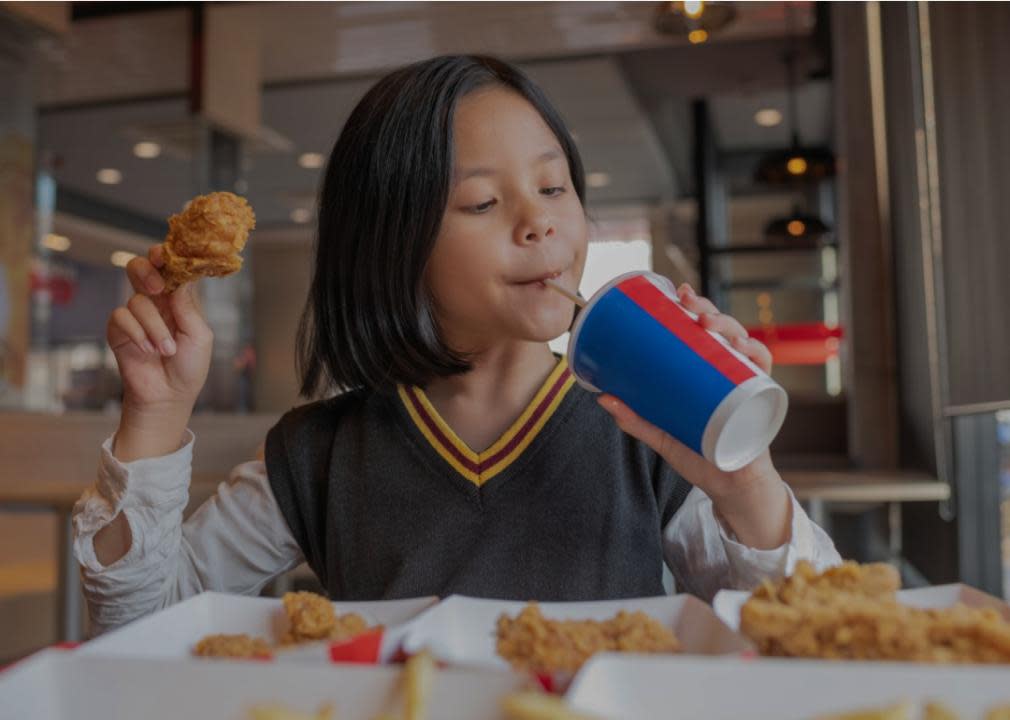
{"points": [[535, 226]]}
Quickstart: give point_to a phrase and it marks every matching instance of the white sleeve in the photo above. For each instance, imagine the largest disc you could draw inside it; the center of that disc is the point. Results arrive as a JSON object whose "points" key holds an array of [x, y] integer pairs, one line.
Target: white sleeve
{"points": [[705, 557], [235, 542]]}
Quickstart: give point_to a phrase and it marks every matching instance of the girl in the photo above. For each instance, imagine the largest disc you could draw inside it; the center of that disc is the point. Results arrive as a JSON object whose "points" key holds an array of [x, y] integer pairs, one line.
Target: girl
{"points": [[459, 455]]}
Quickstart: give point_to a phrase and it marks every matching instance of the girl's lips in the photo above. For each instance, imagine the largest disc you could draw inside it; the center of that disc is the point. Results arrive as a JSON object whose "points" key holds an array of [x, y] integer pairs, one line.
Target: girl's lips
{"points": [[540, 279]]}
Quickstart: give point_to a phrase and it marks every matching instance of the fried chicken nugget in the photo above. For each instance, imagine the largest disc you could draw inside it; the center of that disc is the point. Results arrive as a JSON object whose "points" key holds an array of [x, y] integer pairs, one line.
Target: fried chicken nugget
{"points": [[232, 646], [311, 617], [206, 237], [533, 643]]}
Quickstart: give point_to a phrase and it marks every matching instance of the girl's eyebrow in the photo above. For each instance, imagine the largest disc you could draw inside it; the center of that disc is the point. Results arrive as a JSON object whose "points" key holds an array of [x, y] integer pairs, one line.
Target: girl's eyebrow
{"points": [[547, 156]]}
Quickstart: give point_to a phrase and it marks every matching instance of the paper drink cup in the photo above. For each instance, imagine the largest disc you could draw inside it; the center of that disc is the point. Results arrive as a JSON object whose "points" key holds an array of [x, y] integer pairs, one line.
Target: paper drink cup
{"points": [[634, 340]]}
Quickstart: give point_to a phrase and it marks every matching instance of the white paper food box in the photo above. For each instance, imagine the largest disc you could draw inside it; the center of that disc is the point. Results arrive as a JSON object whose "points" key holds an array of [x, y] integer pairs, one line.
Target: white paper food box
{"points": [[727, 603], [691, 688], [174, 631], [55, 685], [461, 630]]}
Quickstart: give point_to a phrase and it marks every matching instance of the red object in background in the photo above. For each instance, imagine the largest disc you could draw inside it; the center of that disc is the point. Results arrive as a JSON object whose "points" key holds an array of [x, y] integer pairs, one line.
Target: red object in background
{"points": [[60, 286], [799, 343]]}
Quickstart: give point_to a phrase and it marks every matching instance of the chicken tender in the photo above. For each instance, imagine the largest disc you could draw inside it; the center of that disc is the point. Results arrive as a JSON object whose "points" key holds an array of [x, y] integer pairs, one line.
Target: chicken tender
{"points": [[851, 612], [206, 237]]}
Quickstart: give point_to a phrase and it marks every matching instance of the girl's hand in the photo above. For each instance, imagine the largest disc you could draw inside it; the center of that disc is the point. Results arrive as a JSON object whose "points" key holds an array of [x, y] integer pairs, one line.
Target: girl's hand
{"points": [[753, 500], [162, 346]]}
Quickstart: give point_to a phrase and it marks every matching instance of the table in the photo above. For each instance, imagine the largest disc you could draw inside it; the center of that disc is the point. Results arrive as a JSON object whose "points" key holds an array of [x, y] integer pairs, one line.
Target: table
{"points": [[817, 488]]}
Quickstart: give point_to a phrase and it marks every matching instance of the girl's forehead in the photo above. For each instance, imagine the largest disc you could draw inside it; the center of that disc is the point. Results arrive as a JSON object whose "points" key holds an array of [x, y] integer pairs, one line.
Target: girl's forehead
{"points": [[490, 122]]}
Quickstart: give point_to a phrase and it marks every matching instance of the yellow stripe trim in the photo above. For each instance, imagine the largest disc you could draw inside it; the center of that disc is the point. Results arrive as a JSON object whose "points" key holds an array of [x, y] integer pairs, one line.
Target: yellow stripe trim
{"points": [[534, 431], [503, 441], [432, 440]]}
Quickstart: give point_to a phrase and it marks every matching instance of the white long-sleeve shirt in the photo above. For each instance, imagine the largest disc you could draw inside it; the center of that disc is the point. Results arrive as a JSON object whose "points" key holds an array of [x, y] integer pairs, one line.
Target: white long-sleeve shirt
{"points": [[238, 540]]}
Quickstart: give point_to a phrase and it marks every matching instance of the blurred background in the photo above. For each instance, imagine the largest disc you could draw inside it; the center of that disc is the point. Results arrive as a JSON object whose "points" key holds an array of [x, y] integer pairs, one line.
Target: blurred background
{"points": [[833, 175]]}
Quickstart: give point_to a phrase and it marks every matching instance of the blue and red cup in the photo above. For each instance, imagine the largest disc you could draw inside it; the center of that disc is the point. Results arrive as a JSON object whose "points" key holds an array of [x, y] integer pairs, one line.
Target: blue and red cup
{"points": [[634, 340]]}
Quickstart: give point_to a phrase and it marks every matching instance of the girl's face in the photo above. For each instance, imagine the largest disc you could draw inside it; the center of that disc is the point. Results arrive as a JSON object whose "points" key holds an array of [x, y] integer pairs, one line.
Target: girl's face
{"points": [[513, 219]]}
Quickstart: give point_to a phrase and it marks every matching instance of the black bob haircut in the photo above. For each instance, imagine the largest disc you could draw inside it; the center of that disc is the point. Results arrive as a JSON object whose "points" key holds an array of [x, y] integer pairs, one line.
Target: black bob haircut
{"points": [[369, 319]]}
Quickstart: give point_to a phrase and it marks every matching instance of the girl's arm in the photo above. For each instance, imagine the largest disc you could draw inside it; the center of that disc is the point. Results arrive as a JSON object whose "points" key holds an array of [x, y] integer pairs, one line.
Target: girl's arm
{"points": [[705, 555], [235, 542]]}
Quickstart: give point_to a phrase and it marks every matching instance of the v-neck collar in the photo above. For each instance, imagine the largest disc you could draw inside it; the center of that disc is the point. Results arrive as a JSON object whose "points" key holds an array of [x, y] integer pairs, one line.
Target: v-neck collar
{"points": [[479, 467]]}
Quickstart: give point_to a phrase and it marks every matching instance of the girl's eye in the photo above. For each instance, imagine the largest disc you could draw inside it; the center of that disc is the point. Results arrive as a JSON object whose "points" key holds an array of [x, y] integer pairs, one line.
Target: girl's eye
{"points": [[483, 207], [552, 191]]}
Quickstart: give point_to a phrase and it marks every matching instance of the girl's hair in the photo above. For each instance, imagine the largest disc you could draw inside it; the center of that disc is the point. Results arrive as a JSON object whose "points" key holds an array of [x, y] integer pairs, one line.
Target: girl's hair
{"points": [[369, 319]]}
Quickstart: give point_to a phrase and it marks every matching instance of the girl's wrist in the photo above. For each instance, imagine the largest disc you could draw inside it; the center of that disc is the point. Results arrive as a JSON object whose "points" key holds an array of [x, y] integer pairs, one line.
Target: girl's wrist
{"points": [[146, 432], [758, 510]]}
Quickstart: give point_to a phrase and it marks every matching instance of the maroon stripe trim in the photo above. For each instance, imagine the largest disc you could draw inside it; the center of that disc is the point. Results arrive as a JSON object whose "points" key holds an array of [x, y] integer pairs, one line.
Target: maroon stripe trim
{"points": [[437, 432], [525, 430]]}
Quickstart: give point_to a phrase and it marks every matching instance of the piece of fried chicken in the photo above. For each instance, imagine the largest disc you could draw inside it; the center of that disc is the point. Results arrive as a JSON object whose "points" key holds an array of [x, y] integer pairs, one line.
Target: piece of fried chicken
{"points": [[311, 617], [206, 237], [851, 612], [531, 642]]}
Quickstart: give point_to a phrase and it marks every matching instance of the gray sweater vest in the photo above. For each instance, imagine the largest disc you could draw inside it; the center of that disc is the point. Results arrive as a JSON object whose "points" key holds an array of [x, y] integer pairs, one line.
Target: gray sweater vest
{"points": [[379, 513]]}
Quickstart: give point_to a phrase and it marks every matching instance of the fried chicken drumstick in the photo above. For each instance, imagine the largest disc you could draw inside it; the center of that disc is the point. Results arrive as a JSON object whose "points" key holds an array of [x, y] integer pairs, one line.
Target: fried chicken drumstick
{"points": [[206, 237]]}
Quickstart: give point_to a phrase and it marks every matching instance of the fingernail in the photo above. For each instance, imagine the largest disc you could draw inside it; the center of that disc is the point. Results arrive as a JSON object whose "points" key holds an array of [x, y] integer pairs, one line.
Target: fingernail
{"points": [[154, 284], [689, 291], [168, 346], [149, 347]]}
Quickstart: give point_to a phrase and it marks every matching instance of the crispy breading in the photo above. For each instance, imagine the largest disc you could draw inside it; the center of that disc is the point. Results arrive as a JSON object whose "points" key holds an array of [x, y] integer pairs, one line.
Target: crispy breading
{"points": [[851, 612], [233, 646], [206, 237], [531, 642], [311, 617]]}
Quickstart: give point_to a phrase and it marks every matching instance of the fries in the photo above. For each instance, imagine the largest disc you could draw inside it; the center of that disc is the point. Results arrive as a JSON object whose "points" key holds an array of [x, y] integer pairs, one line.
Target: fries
{"points": [[417, 680], [279, 712], [539, 706]]}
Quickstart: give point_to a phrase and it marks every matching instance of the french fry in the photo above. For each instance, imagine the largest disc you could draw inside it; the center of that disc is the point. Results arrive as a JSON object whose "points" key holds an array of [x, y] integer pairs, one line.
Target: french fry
{"points": [[279, 712], [938, 711], [533, 705], [418, 677], [901, 711]]}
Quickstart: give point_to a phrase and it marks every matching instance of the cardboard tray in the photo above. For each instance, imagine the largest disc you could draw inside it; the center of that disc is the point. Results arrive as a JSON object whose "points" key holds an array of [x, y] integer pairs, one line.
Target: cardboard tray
{"points": [[56, 685], [172, 632], [689, 688], [461, 630]]}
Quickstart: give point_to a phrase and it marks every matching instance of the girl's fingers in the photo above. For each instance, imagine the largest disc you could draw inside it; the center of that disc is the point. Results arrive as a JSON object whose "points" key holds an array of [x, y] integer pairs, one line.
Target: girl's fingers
{"points": [[144, 277], [680, 457], [726, 325], [694, 302], [756, 351], [187, 315], [144, 310], [156, 255], [124, 328]]}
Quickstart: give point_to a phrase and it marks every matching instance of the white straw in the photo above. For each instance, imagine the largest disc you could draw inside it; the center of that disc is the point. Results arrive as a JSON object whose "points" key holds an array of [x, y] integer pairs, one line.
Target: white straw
{"points": [[557, 287]]}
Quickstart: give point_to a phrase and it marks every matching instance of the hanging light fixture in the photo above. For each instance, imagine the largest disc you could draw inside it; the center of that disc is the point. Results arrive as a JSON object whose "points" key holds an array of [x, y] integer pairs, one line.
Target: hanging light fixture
{"points": [[696, 20], [797, 227], [797, 163]]}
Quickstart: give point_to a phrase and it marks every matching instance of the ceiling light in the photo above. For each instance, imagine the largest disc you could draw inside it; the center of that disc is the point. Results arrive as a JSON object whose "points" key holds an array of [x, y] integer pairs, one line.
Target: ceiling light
{"points": [[147, 150], [796, 165], [796, 226], [56, 243], [301, 215], [694, 8], [121, 258], [109, 176], [768, 117], [597, 179], [693, 19], [311, 160], [696, 37]]}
